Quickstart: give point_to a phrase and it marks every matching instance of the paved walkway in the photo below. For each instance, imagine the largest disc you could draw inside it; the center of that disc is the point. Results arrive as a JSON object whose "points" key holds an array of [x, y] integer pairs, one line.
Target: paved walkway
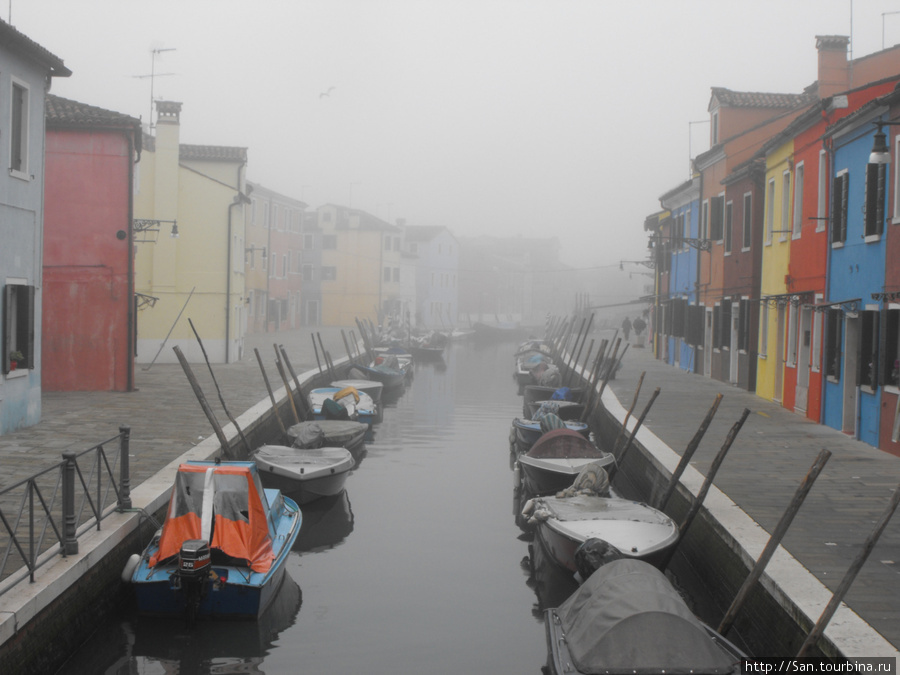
{"points": [[772, 454]]}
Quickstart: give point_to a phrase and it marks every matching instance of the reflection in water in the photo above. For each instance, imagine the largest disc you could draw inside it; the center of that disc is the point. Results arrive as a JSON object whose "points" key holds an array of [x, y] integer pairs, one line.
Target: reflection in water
{"points": [[326, 523]]}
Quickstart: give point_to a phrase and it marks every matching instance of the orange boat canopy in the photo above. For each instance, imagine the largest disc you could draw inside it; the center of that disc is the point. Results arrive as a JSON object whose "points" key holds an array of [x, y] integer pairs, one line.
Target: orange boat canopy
{"points": [[224, 504]]}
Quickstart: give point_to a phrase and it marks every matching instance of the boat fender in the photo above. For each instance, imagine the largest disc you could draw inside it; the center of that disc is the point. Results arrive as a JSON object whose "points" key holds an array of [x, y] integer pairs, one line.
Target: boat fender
{"points": [[540, 516], [527, 508], [130, 566], [517, 477]]}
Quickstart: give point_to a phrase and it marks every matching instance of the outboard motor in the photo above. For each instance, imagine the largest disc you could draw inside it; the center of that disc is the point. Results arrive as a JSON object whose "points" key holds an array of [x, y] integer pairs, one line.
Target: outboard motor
{"points": [[194, 568]]}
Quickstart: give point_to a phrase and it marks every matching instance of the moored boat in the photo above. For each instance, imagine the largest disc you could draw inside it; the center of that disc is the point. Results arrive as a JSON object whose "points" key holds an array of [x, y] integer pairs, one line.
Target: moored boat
{"points": [[333, 433], [627, 618], [556, 458], [634, 529], [371, 387], [305, 474], [359, 406], [222, 549], [537, 392], [527, 432]]}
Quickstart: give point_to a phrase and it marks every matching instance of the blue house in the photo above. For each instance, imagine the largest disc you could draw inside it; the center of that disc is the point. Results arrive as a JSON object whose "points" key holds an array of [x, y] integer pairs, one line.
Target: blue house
{"points": [[681, 325], [25, 72], [856, 275]]}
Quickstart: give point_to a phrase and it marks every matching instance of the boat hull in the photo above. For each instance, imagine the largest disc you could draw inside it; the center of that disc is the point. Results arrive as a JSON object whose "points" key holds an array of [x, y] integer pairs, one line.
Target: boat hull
{"points": [[636, 530], [543, 476], [527, 432]]}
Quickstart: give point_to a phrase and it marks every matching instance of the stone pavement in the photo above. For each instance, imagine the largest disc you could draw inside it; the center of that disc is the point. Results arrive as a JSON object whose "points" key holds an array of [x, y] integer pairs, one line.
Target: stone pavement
{"points": [[164, 415], [769, 459]]}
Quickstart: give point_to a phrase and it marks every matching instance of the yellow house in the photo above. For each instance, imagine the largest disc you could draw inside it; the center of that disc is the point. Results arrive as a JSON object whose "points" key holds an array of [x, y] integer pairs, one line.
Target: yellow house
{"points": [[776, 251], [360, 267], [189, 240]]}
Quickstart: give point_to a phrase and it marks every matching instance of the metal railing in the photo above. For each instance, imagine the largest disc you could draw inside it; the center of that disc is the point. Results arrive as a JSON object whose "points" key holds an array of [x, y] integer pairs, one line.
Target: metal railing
{"points": [[52, 507]]}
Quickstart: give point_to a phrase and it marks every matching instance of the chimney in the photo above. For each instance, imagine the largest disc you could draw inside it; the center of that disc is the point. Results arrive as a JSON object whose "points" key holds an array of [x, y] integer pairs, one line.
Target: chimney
{"points": [[834, 69]]}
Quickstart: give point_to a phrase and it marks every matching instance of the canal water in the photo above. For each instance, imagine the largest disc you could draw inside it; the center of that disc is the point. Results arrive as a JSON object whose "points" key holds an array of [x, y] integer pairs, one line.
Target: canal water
{"points": [[418, 567]]}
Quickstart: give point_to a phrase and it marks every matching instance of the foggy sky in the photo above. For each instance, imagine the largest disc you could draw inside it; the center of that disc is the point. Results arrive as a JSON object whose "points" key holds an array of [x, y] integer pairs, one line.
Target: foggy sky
{"points": [[504, 117]]}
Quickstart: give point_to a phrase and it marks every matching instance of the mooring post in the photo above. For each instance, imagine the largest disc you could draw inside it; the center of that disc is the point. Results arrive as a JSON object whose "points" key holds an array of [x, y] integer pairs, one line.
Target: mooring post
{"points": [[634, 401], [70, 539], [849, 578], [615, 467], [688, 454], [124, 493], [777, 535]]}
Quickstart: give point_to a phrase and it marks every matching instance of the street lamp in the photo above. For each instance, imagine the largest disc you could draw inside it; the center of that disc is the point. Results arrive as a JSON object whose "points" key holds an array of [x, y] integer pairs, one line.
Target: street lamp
{"points": [[881, 153]]}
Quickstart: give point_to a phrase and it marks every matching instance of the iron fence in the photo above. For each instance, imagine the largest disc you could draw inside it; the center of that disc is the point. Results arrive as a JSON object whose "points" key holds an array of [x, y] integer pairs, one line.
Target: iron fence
{"points": [[53, 507]]}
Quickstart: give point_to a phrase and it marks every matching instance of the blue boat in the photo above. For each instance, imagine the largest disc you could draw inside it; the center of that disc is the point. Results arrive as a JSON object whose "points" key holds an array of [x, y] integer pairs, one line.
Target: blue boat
{"points": [[525, 433], [222, 550]]}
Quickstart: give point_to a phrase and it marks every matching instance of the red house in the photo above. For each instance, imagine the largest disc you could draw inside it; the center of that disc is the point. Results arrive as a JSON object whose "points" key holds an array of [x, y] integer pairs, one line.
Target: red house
{"points": [[88, 299]]}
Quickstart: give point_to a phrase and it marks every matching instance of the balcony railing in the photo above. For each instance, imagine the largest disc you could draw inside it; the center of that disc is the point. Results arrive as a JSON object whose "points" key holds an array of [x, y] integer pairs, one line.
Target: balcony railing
{"points": [[53, 507]]}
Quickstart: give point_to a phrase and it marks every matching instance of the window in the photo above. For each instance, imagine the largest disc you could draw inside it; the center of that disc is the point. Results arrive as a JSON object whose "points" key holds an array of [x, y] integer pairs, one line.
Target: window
{"points": [[822, 203], [18, 324], [18, 143], [770, 210], [714, 128], [329, 273], [285, 266], [387, 273], [748, 221], [307, 273], [329, 241], [725, 330], [875, 178], [785, 203], [276, 221], [817, 339], [834, 319], [717, 327], [867, 371], [704, 221], [840, 187], [397, 274], [793, 330], [266, 215], [890, 365], [717, 215], [799, 177], [729, 222], [744, 325]]}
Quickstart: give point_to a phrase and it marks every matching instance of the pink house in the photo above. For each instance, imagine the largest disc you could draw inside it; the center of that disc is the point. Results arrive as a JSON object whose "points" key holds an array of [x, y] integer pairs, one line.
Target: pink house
{"points": [[88, 298]]}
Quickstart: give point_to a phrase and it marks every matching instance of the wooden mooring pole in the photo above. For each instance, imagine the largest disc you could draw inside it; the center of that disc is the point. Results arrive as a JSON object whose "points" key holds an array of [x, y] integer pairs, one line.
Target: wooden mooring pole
{"points": [[688, 454], [620, 458], [287, 387], [774, 541], [707, 484], [204, 404], [850, 576], [271, 393], [300, 394], [634, 401]]}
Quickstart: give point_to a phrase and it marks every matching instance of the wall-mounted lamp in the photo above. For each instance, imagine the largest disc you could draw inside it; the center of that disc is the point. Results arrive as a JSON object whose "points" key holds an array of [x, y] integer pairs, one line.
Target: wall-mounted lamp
{"points": [[174, 230], [881, 153]]}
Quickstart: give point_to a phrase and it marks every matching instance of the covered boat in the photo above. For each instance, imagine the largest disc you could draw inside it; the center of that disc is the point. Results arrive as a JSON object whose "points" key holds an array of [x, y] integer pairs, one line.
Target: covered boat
{"points": [[556, 458], [525, 433], [628, 619], [634, 529], [371, 387], [537, 392], [222, 549], [332, 433], [306, 474]]}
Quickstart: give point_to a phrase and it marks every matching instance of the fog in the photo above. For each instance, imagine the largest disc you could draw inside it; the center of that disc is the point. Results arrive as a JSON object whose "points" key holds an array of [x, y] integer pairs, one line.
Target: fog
{"points": [[504, 117]]}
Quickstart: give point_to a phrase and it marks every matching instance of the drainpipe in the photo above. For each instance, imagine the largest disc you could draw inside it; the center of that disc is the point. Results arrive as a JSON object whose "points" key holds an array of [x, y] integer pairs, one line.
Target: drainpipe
{"points": [[239, 199], [823, 368], [132, 160]]}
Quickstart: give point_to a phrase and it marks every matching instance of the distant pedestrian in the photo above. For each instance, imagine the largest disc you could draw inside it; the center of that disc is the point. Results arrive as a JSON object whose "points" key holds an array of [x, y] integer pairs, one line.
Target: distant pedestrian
{"points": [[626, 327], [639, 325]]}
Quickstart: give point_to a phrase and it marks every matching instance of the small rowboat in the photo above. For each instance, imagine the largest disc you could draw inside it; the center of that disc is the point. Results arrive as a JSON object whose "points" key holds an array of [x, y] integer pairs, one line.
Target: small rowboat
{"points": [[556, 458], [305, 474], [359, 406]]}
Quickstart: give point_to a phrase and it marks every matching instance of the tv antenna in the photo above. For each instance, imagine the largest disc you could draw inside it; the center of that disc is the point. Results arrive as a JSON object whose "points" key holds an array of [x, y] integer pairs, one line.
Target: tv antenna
{"points": [[153, 75]]}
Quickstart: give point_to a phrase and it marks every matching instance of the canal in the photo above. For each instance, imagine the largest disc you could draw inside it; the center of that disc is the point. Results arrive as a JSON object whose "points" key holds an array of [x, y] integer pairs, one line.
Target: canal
{"points": [[418, 566]]}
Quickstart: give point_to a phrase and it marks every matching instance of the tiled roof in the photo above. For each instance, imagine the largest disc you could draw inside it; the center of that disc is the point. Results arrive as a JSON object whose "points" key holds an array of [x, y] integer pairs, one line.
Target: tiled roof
{"points": [[757, 99], [212, 153], [63, 112], [13, 40]]}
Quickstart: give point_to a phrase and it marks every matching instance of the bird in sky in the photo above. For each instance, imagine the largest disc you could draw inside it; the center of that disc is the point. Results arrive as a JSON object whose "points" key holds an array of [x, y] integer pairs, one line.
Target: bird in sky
{"points": [[326, 93]]}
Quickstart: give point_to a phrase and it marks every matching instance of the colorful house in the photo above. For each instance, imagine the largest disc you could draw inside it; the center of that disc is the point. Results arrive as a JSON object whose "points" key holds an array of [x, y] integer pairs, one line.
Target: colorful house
{"points": [[189, 238], [273, 252], [677, 250], [360, 270], [88, 299], [26, 70]]}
